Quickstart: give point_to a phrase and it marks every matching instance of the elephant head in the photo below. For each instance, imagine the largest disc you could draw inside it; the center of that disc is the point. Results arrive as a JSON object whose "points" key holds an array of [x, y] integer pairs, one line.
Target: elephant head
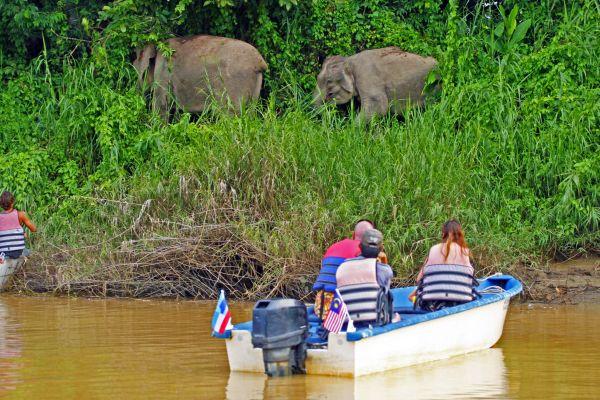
{"points": [[144, 64], [335, 82]]}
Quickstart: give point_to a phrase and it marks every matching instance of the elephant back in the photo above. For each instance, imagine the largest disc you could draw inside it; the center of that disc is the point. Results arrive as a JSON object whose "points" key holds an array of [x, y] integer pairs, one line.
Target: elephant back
{"points": [[209, 49]]}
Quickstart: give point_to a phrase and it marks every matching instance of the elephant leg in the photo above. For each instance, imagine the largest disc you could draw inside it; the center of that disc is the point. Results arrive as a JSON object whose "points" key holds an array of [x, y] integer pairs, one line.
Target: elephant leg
{"points": [[242, 87], [162, 81], [258, 87], [160, 101], [373, 105]]}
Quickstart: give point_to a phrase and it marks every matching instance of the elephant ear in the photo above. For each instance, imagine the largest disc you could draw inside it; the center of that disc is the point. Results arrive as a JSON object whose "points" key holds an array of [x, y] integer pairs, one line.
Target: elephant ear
{"points": [[340, 69], [328, 68], [347, 82], [142, 61]]}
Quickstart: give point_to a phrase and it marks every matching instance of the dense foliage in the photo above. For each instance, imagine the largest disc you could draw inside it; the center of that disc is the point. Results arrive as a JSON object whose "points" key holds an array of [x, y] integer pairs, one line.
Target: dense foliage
{"points": [[511, 147]]}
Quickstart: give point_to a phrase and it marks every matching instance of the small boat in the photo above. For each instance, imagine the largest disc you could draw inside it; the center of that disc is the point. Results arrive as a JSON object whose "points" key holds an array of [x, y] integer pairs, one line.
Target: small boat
{"points": [[8, 266], [418, 337]]}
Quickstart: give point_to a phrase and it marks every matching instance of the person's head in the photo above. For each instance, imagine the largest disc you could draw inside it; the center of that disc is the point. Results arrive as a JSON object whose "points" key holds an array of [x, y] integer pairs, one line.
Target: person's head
{"points": [[452, 233], [361, 227], [7, 200], [371, 243]]}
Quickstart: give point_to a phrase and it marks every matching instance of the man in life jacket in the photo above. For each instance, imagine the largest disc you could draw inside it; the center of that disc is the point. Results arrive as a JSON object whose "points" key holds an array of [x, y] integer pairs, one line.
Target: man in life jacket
{"points": [[336, 254], [12, 235], [364, 283]]}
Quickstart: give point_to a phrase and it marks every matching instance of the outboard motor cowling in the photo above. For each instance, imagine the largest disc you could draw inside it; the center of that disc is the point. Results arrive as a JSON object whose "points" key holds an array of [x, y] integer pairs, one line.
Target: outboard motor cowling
{"points": [[280, 328]]}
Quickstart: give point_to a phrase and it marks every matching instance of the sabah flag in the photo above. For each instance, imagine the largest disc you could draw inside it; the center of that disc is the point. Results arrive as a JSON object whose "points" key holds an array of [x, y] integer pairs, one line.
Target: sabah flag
{"points": [[221, 320], [338, 313]]}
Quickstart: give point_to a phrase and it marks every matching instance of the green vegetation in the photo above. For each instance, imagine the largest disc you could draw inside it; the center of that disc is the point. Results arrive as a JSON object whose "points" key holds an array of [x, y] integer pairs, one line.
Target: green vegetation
{"points": [[511, 146]]}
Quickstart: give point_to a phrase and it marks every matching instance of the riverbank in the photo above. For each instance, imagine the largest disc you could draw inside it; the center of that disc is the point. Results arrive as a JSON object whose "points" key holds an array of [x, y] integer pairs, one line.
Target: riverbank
{"points": [[568, 282], [573, 281]]}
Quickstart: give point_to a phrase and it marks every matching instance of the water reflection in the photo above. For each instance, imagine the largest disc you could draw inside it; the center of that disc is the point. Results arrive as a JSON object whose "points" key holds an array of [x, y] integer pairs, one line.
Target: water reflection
{"points": [[479, 375], [10, 350], [57, 348]]}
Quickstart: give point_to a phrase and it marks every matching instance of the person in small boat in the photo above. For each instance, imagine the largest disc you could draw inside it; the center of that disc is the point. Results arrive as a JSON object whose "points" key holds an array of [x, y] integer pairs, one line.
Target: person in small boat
{"points": [[447, 277], [364, 283], [12, 235], [335, 255]]}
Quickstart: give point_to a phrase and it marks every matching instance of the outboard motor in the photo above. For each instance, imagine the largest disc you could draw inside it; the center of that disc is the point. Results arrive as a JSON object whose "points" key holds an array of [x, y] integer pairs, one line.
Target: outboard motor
{"points": [[280, 328]]}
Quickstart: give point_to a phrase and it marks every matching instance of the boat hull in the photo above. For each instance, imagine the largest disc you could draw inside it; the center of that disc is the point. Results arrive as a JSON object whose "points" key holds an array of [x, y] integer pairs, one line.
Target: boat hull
{"points": [[481, 373], [436, 339], [7, 269]]}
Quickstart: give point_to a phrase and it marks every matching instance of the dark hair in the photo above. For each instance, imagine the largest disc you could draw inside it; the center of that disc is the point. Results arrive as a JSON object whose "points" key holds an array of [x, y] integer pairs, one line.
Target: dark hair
{"points": [[7, 200], [370, 251], [452, 233]]}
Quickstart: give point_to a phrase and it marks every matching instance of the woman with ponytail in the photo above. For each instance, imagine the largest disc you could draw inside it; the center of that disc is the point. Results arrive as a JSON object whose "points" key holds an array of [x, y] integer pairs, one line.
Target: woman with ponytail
{"points": [[453, 250]]}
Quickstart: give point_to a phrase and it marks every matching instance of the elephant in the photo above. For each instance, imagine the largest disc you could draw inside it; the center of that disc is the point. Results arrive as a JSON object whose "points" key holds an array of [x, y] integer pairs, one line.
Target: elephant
{"points": [[383, 79], [201, 68]]}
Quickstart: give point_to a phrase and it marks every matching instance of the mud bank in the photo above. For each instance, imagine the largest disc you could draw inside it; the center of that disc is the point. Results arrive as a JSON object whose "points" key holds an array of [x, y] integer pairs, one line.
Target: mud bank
{"points": [[568, 282]]}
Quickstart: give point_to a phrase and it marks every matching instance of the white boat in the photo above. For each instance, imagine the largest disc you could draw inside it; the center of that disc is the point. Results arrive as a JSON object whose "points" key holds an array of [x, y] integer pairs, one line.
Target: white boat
{"points": [[8, 266], [480, 374], [416, 338]]}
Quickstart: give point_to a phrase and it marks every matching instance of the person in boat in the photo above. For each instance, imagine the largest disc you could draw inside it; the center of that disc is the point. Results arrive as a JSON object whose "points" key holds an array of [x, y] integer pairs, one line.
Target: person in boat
{"points": [[364, 283], [447, 277], [335, 255], [12, 235]]}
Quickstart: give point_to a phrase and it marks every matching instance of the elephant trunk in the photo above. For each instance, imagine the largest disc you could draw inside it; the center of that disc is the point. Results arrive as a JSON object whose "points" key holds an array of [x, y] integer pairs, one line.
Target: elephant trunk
{"points": [[318, 97]]}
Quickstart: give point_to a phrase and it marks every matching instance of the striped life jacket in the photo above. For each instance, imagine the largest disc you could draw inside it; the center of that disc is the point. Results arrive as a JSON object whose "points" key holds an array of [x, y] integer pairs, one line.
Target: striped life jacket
{"points": [[447, 282], [12, 237], [357, 283], [334, 257]]}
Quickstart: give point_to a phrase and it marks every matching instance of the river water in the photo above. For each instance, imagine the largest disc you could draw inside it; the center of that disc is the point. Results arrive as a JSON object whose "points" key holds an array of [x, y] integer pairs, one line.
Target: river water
{"points": [[61, 348]]}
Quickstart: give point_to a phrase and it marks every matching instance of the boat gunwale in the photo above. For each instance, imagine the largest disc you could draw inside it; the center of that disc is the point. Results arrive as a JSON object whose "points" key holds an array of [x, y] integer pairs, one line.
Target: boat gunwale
{"points": [[364, 333]]}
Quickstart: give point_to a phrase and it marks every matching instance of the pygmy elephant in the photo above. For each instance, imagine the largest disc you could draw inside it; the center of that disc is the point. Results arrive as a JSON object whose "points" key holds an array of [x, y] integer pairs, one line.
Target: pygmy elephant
{"points": [[383, 79], [201, 68]]}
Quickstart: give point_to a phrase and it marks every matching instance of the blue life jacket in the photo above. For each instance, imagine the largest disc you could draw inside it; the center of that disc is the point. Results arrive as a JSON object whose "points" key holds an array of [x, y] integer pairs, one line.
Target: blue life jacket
{"points": [[326, 279], [336, 254]]}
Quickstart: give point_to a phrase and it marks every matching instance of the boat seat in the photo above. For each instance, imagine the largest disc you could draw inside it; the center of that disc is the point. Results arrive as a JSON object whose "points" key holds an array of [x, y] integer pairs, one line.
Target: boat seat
{"points": [[409, 310], [314, 318]]}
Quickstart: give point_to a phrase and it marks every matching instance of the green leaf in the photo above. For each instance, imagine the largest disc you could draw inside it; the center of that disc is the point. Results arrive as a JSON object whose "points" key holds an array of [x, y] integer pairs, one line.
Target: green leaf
{"points": [[502, 12], [431, 77], [181, 6], [499, 29], [288, 3], [512, 21], [520, 32]]}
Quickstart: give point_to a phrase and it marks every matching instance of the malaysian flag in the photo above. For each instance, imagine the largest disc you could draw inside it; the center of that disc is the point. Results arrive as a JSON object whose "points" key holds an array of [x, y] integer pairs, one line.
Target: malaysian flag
{"points": [[221, 320], [338, 313]]}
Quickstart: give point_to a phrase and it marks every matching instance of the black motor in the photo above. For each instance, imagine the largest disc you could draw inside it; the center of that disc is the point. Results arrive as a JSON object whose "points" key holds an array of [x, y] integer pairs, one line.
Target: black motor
{"points": [[280, 328]]}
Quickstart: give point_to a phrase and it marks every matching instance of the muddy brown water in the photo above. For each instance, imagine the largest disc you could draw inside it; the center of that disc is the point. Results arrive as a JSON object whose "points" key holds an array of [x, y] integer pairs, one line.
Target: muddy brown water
{"points": [[61, 348]]}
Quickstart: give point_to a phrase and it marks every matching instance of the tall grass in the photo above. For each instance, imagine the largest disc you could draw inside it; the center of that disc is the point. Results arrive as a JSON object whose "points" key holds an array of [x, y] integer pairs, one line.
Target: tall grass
{"points": [[298, 181]]}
